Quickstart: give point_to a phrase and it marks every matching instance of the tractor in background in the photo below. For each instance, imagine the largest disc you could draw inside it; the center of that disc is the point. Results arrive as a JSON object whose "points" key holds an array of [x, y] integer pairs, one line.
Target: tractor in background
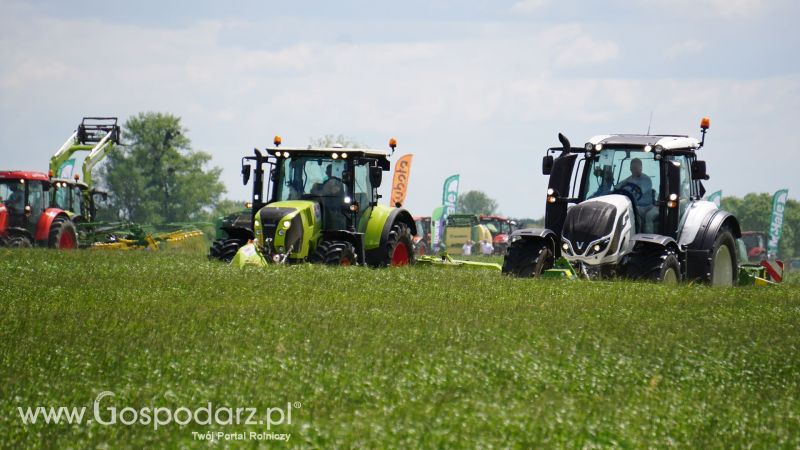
{"points": [[463, 228], [320, 205], [637, 213], [755, 243], [232, 232], [26, 216], [501, 228], [422, 241]]}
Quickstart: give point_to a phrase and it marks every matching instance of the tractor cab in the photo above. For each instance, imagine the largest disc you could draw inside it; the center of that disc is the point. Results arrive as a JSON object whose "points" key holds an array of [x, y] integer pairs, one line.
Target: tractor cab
{"points": [[23, 199], [321, 205], [70, 195]]}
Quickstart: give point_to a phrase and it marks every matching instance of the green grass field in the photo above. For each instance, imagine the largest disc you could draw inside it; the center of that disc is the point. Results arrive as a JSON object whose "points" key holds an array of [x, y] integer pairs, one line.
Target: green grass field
{"points": [[417, 357]]}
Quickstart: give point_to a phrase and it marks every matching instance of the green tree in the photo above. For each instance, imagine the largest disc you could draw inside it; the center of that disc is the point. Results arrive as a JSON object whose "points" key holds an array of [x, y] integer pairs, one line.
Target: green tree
{"points": [[476, 202], [754, 212], [157, 177]]}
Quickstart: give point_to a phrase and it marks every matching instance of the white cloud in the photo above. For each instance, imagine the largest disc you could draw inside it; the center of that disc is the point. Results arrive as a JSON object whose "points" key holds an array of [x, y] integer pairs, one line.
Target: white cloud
{"points": [[528, 6], [483, 104], [684, 48]]}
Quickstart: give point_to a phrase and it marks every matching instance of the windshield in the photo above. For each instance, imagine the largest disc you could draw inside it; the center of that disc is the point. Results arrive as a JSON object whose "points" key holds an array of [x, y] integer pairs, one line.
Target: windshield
{"points": [[496, 226], [753, 241], [633, 173], [310, 177], [12, 194], [61, 197]]}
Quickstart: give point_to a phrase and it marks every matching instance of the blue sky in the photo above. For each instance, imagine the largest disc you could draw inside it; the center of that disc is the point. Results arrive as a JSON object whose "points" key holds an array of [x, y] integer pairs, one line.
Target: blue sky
{"points": [[469, 87]]}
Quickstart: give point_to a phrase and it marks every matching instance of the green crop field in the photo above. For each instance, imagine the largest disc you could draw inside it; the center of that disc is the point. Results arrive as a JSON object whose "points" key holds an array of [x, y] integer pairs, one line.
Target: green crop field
{"points": [[417, 357]]}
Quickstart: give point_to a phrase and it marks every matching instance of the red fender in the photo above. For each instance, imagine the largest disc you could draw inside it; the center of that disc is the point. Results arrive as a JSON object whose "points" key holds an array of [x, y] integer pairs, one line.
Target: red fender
{"points": [[45, 221], [3, 220]]}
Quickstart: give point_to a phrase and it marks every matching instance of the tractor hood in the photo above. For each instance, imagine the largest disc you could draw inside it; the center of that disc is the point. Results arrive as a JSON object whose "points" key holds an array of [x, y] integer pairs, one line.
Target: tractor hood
{"points": [[595, 229], [279, 226]]}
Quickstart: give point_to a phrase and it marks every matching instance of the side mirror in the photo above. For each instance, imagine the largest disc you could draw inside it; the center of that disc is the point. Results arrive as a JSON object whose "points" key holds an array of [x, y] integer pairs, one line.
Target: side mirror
{"points": [[547, 164], [245, 173], [375, 176], [699, 170]]}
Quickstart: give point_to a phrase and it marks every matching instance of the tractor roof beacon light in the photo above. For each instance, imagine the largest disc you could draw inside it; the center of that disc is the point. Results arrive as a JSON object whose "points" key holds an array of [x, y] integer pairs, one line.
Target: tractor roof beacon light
{"points": [[705, 124], [393, 144], [277, 141]]}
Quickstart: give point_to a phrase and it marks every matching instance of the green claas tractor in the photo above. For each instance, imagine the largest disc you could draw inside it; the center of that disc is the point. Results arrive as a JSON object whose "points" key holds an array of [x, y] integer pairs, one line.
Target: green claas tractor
{"points": [[321, 206]]}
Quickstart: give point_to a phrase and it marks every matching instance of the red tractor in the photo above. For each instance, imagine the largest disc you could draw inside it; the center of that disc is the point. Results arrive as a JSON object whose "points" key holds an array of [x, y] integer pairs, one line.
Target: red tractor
{"points": [[501, 228], [26, 218], [756, 244], [422, 241]]}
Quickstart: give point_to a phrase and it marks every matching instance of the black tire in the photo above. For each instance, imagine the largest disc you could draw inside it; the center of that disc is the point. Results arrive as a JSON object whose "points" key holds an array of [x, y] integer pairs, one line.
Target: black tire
{"points": [[225, 249], [718, 275], [335, 253], [658, 265], [62, 234], [399, 241], [18, 242], [527, 258]]}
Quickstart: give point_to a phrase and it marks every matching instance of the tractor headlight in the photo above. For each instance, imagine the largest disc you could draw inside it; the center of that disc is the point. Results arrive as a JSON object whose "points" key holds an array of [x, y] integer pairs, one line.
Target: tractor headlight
{"points": [[598, 247], [287, 224]]}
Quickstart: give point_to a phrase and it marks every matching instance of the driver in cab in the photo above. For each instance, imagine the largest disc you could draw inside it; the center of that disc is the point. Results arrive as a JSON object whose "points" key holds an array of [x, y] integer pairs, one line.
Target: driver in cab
{"points": [[643, 196]]}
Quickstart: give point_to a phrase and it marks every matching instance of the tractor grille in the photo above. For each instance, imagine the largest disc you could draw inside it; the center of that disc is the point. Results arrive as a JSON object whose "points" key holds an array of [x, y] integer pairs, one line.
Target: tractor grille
{"points": [[588, 222], [269, 219]]}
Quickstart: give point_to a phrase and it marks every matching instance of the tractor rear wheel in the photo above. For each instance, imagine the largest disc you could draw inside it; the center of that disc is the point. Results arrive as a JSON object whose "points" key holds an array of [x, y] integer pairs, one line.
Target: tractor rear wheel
{"points": [[335, 253], [225, 249], [657, 265], [528, 258], [724, 268], [62, 234], [399, 246], [18, 242]]}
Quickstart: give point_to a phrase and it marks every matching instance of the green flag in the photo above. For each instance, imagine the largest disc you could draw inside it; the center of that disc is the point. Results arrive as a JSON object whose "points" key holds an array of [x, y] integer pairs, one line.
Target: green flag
{"points": [[68, 163], [437, 227], [776, 222], [450, 194], [716, 197]]}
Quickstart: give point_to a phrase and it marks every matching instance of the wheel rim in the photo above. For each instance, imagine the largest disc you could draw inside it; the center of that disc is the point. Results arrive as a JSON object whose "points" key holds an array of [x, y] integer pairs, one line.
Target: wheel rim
{"points": [[421, 249], [400, 254], [722, 272], [345, 262], [670, 277], [66, 241]]}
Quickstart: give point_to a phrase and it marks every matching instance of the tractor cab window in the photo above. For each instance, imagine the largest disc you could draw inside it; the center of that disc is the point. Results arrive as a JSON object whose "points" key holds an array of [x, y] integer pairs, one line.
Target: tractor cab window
{"points": [[317, 179], [635, 174], [61, 197], [77, 200], [686, 182], [36, 200], [12, 194]]}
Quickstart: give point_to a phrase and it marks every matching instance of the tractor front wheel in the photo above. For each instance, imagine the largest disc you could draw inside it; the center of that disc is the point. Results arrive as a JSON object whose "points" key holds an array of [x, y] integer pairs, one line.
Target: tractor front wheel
{"points": [[335, 253], [658, 265], [18, 242], [62, 234], [528, 258], [225, 249], [724, 269], [399, 246]]}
